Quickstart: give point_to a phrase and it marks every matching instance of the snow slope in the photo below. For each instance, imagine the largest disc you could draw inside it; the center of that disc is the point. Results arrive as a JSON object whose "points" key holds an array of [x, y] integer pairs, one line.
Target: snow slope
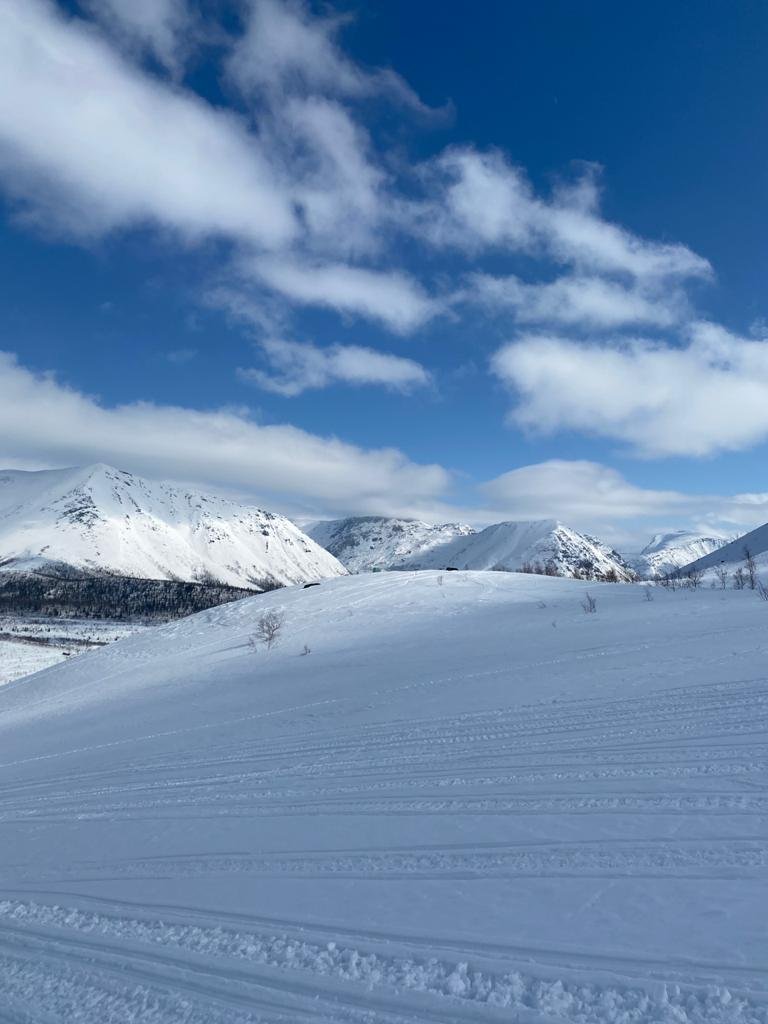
{"points": [[105, 520], [470, 802], [732, 554], [29, 644], [669, 551], [362, 543], [511, 545]]}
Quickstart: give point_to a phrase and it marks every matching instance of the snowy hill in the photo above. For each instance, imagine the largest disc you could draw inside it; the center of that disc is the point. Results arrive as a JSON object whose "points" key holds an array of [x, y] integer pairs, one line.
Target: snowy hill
{"points": [[362, 543], [516, 545], [470, 802], [756, 541], [104, 520], [669, 551]]}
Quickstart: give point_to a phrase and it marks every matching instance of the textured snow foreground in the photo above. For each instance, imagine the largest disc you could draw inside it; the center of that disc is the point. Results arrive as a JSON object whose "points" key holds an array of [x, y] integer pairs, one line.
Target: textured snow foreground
{"points": [[469, 802]]}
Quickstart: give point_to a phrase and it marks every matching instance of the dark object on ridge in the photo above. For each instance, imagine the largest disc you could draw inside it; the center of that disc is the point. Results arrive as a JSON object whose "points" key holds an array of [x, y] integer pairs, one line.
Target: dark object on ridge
{"points": [[451, 568], [308, 585]]}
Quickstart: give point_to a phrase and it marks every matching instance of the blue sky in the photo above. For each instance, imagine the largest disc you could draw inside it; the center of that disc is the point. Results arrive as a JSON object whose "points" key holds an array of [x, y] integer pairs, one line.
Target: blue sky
{"points": [[464, 261]]}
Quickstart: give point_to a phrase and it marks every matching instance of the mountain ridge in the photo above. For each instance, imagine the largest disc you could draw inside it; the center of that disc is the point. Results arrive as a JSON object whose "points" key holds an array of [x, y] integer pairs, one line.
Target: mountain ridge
{"points": [[362, 543], [755, 541], [366, 542], [102, 520], [668, 552]]}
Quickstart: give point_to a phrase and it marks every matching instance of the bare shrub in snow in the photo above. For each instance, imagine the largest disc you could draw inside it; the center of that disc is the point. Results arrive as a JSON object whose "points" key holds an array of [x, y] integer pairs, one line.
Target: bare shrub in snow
{"points": [[762, 590], [722, 577], [750, 568], [693, 578], [268, 630], [647, 593], [739, 579], [589, 604]]}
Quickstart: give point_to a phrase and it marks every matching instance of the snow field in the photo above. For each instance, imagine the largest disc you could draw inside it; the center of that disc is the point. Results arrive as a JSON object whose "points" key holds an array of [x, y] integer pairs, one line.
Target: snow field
{"points": [[470, 801]]}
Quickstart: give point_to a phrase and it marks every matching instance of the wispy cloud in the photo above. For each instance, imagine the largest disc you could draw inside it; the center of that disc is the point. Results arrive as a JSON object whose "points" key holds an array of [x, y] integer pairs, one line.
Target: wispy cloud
{"points": [[162, 27], [390, 297], [479, 200], [589, 302], [286, 48], [298, 367]]}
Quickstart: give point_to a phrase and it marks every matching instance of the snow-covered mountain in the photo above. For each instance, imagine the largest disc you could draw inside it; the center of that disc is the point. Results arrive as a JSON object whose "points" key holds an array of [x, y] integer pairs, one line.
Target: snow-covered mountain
{"points": [[104, 520], [756, 542], [362, 543], [669, 551], [514, 546]]}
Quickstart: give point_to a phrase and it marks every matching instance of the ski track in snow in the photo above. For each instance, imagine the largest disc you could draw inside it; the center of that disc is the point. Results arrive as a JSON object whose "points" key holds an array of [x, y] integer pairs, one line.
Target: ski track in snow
{"points": [[595, 801]]}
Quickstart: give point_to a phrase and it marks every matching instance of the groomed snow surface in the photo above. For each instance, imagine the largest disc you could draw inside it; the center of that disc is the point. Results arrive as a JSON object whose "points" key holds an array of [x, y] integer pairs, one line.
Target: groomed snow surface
{"points": [[470, 801]]}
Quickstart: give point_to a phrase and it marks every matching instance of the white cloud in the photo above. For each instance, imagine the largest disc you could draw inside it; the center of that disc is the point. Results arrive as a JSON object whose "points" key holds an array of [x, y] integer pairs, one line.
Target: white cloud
{"points": [[221, 448], [590, 302], [298, 367], [390, 297], [287, 49], [578, 491], [90, 143], [706, 396], [479, 199], [338, 188], [594, 497], [159, 26], [93, 144]]}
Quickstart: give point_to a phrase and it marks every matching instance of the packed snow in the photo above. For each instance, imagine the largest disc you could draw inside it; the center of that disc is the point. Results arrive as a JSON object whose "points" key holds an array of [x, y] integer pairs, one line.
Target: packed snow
{"points": [[441, 797], [102, 519]]}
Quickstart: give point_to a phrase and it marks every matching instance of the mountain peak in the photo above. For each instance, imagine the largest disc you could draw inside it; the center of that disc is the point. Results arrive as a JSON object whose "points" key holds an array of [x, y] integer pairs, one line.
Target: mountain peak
{"points": [[104, 520], [365, 542]]}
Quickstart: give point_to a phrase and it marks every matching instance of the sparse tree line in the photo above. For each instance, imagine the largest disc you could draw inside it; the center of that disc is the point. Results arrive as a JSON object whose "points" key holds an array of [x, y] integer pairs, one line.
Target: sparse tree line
{"points": [[584, 570], [743, 577], [70, 595]]}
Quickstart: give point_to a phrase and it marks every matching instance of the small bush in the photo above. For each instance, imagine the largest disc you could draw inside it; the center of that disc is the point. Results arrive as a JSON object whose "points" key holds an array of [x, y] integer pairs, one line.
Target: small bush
{"points": [[589, 604], [268, 630]]}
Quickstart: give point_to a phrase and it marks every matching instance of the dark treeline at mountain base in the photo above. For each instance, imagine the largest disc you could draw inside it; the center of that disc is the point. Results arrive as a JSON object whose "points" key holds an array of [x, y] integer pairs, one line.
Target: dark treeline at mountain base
{"points": [[110, 597]]}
